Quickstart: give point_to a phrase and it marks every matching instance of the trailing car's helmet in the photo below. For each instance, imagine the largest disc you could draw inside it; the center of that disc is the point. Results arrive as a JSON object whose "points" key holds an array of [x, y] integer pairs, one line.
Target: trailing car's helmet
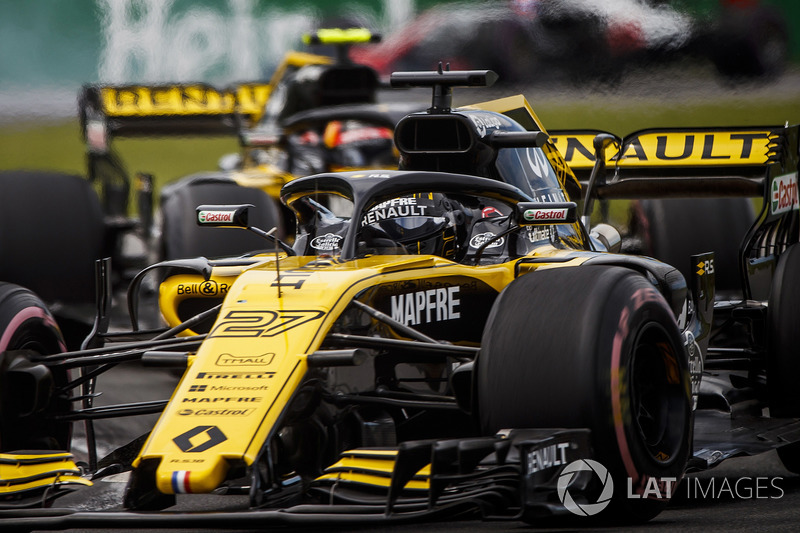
{"points": [[359, 144], [427, 223]]}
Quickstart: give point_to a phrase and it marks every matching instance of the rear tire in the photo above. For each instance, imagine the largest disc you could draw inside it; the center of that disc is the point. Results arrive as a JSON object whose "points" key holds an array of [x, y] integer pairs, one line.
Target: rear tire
{"points": [[671, 230], [783, 336], [182, 237], [592, 347], [27, 389], [783, 363]]}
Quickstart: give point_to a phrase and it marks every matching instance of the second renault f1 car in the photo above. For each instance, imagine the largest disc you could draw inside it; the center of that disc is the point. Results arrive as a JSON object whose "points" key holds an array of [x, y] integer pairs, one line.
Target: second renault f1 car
{"points": [[316, 114], [447, 339]]}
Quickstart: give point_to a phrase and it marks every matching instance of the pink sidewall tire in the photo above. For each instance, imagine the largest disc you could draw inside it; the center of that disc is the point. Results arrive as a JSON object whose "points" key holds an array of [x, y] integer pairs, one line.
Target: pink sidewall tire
{"points": [[592, 347]]}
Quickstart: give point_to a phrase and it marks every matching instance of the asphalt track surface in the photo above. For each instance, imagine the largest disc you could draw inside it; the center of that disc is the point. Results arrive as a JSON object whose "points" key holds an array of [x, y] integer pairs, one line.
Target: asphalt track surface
{"points": [[707, 507], [767, 497]]}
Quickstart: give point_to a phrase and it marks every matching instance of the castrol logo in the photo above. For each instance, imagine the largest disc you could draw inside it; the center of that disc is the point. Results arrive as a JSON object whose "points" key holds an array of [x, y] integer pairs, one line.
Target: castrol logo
{"points": [[547, 215], [784, 194], [215, 217]]}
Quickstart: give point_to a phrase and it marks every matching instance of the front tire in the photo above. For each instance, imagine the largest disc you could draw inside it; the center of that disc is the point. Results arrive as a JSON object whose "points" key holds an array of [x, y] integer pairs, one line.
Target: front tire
{"points": [[27, 389], [592, 347]]}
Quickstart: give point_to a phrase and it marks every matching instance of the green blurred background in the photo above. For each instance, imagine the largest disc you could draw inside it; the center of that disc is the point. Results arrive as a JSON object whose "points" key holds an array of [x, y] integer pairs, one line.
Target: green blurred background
{"points": [[49, 48]]}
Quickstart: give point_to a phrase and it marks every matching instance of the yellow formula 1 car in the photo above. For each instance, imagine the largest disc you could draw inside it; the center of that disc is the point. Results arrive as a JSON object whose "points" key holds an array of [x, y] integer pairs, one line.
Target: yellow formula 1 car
{"points": [[315, 114], [446, 339]]}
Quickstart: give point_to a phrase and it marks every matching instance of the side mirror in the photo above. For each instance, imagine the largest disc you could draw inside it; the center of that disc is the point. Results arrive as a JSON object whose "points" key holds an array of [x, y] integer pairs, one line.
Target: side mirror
{"points": [[224, 216]]}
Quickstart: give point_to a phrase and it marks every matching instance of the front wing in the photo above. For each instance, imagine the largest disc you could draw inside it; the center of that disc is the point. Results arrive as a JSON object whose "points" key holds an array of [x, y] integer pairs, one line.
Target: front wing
{"points": [[505, 477]]}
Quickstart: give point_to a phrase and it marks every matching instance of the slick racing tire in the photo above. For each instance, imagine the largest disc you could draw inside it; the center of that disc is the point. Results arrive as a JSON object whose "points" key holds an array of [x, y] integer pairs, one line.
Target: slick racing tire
{"points": [[593, 347], [783, 336], [182, 237], [783, 360], [673, 229], [51, 232], [27, 388]]}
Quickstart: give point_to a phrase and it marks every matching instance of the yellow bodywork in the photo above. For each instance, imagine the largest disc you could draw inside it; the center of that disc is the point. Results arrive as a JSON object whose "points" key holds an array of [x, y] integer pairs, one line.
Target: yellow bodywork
{"points": [[231, 398], [28, 471], [372, 467]]}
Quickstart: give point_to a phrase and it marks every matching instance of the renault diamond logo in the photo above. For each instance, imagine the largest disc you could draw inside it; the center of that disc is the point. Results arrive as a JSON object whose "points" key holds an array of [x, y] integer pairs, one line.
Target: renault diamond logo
{"points": [[211, 436]]}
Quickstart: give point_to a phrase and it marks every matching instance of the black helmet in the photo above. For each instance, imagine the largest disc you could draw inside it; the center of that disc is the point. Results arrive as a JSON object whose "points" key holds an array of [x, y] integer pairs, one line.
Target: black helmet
{"points": [[425, 223]]}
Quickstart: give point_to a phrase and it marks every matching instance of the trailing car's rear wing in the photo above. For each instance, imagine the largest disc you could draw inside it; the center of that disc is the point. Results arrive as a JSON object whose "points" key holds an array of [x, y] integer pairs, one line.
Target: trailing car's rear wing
{"points": [[108, 111], [657, 162], [178, 109]]}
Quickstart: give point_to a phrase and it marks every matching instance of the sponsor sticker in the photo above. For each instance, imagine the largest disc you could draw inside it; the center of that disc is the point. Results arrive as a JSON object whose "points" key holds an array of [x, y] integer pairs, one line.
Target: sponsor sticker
{"points": [[227, 388], [215, 217], [235, 375], [482, 238], [538, 233], [484, 122], [222, 399], [425, 307], [540, 459], [215, 412], [544, 214], [227, 359], [327, 242], [396, 207], [784, 194], [205, 288]]}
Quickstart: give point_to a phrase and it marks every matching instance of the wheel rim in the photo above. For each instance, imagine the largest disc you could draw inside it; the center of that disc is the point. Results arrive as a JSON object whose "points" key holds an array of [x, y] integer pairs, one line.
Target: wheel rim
{"points": [[657, 394]]}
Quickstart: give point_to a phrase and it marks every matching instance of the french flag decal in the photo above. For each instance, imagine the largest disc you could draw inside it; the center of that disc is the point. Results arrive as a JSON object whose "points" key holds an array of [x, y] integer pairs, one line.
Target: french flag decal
{"points": [[180, 482]]}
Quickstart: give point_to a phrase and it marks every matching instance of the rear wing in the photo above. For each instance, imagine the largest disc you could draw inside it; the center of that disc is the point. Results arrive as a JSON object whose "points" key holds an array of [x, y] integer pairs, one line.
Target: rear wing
{"points": [[109, 111], [139, 110], [720, 161], [755, 162]]}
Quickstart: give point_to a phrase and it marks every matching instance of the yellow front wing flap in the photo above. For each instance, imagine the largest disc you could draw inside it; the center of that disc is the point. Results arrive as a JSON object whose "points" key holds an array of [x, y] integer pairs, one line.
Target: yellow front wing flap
{"points": [[23, 472], [372, 467]]}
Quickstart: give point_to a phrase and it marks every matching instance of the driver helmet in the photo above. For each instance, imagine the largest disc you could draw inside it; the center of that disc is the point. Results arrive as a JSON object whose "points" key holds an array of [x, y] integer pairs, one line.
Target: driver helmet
{"points": [[423, 223], [359, 144]]}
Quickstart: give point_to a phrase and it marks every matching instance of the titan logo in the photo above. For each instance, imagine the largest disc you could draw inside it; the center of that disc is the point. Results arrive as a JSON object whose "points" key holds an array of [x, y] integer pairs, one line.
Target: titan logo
{"points": [[207, 438]]}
